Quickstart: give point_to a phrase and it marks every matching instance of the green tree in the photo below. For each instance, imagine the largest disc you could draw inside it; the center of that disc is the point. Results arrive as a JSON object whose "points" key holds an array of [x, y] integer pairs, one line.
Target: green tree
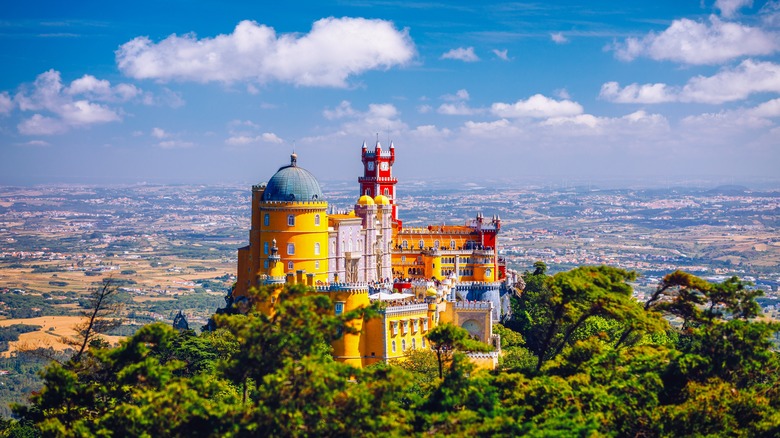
{"points": [[569, 305]]}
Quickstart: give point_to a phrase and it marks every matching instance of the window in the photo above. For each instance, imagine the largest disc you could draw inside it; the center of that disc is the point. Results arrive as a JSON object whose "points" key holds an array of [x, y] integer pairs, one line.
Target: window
{"points": [[403, 259], [317, 220], [290, 266], [423, 342], [265, 264], [414, 326], [267, 220], [316, 248], [338, 308], [290, 248], [436, 244], [414, 344], [290, 221], [393, 346], [403, 344], [404, 244], [405, 327], [452, 244], [368, 192], [425, 325], [265, 247], [316, 264], [394, 328], [421, 243], [387, 192]]}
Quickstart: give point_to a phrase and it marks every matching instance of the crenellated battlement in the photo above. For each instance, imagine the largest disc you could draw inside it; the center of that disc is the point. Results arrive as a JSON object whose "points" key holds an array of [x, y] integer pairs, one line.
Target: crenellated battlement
{"points": [[361, 288], [473, 305]]}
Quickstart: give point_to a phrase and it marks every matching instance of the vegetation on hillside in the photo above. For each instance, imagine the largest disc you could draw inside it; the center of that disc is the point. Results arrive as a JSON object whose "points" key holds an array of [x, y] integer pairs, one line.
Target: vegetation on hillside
{"points": [[581, 358]]}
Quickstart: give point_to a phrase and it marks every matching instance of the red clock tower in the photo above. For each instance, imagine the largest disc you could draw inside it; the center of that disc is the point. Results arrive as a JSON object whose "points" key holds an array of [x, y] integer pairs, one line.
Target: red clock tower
{"points": [[377, 176]]}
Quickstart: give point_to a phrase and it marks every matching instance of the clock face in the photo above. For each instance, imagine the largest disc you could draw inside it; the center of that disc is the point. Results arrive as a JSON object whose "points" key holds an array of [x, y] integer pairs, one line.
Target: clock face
{"points": [[384, 166], [370, 165]]}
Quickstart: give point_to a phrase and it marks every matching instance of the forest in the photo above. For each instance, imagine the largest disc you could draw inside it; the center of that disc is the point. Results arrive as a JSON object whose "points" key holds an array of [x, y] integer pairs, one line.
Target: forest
{"points": [[581, 357]]}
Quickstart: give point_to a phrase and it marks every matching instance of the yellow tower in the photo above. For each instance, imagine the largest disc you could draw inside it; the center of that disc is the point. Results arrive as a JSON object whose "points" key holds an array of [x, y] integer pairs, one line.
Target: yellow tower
{"points": [[290, 211]]}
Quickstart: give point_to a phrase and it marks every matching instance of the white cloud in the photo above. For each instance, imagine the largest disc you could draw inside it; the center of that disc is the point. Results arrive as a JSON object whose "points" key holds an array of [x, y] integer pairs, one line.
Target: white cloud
{"points": [[424, 109], [459, 95], [501, 54], [694, 42], [769, 109], [429, 131], [562, 93], [41, 125], [500, 127], [734, 83], [6, 103], [241, 123], [240, 140], [343, 110], [537, 106], [101, 89], [635, 93], [270, 137], [266, 137], [731, 122], [379, 117], [728, 8], [457, 109], [558, 38], [465, 54], [68, 110], [82, 112], [729, 84], [334, 50], [159, 133]]}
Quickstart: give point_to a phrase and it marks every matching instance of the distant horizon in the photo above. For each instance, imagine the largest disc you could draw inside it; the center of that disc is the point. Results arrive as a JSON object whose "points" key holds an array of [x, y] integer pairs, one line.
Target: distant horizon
{"points": [[756, 184]]}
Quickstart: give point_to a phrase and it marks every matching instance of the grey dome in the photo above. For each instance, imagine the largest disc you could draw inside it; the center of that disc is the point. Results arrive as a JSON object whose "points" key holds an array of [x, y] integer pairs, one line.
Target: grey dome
{"points": [[292, 183]]}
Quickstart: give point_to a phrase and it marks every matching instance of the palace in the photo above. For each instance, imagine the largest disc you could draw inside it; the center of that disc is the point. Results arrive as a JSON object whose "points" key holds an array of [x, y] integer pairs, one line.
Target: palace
{"points": [[439, 273]]}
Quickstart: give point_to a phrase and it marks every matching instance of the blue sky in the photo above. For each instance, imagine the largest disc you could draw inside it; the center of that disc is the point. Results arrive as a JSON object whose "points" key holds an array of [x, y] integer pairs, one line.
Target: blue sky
{"points": [[221, 92]]}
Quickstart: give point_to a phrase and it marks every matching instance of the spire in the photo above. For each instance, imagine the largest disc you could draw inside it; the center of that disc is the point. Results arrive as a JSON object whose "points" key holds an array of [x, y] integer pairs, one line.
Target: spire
{"points": [[392, 145]]}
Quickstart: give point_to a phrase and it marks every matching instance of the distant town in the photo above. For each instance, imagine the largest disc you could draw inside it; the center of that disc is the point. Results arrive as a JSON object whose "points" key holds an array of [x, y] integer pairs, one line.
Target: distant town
{"points": [[177, 244]]}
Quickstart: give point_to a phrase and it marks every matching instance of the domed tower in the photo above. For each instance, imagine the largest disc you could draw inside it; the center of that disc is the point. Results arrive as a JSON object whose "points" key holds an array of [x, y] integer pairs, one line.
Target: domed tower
{"points": [[290, 211]]}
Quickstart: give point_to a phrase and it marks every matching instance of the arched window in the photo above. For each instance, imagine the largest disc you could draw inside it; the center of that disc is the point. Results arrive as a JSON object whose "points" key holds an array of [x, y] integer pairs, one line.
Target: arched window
{"points": [[436, 244], [423, 342], [290, 266], [368, 192], [403, 344], [316, 264], [316, 248], [290, 220], [317, 220], [414, 344], [393, 346], [265, 247], [266, 220], [290, 248], [452, 244], [387, 192], [422, 244], [404, 244]]}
